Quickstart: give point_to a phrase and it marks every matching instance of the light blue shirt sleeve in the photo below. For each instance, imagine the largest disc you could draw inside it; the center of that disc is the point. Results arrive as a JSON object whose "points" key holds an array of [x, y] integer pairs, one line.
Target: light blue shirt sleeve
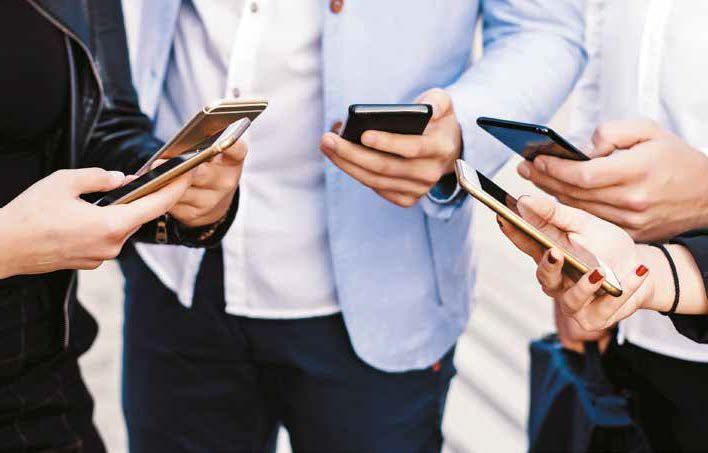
{"points": [[533, 55]]}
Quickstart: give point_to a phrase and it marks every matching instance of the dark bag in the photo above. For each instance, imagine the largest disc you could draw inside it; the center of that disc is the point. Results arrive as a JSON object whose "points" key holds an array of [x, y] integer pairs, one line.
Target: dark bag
{"points": [[574, 407]]}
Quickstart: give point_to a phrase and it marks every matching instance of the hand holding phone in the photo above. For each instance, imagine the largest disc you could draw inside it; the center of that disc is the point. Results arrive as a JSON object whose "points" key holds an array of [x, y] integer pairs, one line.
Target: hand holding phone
{"points": [[578, 261], [400, 167], [216, 172], [49, 227]]}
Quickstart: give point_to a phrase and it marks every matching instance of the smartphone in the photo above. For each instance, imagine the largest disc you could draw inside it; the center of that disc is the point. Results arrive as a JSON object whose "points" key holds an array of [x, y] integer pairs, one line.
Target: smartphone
{"points": [[204, 128], [160, 176], [578, 261], [530, 140], [410, 119]]}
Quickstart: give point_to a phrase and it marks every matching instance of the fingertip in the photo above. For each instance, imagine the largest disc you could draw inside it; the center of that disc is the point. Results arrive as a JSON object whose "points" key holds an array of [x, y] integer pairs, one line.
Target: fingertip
{"points": [[369, 138], [596, 277], [117, 177], [642, 271], [328, 143], [541, 164], [555, 258], [524, 169]]}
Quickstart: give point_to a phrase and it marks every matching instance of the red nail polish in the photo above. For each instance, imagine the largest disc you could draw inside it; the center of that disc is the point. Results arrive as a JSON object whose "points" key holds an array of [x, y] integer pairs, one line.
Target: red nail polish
{"points": [[595, 277], [552, 259], [641, 270], [436, 367]]}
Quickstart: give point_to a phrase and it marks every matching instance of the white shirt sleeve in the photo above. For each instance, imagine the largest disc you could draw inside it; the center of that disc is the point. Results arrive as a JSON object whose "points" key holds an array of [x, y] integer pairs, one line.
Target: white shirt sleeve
{"points": [[584, 115]]}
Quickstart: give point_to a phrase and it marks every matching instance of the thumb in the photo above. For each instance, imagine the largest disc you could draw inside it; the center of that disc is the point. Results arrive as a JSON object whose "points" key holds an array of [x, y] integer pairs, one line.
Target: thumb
{"points": [[89, 180], [154, 205], [541, 212], [439, 99], [624, 134]]}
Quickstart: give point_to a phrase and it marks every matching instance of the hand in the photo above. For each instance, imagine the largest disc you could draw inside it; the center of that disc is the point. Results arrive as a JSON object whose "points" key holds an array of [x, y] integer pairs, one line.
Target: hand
{"points": [[571, 228], [573, 337], [402, 168], [213, 186], [48, 227], [641, 178]]}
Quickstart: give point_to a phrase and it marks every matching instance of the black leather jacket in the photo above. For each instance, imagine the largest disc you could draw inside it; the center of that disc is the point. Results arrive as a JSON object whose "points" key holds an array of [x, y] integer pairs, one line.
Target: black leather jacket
{"points": [[106, 127]]}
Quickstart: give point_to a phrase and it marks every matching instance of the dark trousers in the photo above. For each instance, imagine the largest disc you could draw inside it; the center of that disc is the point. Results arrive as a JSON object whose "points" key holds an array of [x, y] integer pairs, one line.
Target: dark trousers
{"points": [[200, 380], [44, 403], [669, 396]]}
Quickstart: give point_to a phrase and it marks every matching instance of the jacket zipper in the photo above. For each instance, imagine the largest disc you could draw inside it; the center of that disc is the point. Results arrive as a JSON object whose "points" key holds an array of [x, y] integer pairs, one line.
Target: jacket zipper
{"points": [[72, 36]]}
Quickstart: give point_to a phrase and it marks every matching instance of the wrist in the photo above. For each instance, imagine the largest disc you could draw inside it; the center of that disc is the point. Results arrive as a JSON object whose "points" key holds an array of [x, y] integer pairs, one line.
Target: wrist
{"points": [[660, 296]]}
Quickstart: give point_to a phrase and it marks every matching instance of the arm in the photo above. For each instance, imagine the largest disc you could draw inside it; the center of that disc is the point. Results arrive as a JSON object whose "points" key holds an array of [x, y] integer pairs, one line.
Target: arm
{"points": [[585, 100], [533, 55], [643, 270]]}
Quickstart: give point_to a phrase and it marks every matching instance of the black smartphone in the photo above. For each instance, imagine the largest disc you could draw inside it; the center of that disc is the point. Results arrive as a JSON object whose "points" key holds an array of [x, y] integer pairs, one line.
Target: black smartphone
{"points": [[530, 140], [409, 119]]}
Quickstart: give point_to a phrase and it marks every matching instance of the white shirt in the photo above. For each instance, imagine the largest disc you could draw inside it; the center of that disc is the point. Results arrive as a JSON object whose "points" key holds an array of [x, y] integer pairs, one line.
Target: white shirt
{"points": [[647, 59], [276, 256]]}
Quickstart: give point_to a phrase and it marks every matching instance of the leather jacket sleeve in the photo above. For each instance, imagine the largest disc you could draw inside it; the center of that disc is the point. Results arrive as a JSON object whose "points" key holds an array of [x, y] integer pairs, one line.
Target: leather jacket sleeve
{"points": [[695, 327], [122, 138]]}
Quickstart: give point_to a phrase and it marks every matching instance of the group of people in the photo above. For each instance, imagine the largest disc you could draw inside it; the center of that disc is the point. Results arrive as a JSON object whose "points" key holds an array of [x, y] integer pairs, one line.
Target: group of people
{"points": [[303, 281]]}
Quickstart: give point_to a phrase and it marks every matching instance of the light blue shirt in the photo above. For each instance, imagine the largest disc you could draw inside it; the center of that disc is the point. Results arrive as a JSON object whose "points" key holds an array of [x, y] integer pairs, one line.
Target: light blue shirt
{"points": [[405, 277]]}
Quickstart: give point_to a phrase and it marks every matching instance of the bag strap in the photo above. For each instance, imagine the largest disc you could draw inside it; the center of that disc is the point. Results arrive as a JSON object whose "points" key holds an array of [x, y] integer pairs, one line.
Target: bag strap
{"points": [[593, 371]]}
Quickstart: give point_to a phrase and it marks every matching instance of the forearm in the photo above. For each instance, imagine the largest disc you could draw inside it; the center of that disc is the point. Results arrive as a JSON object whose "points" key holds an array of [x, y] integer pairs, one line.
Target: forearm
{"points": [[7, 257], [692, 300]]}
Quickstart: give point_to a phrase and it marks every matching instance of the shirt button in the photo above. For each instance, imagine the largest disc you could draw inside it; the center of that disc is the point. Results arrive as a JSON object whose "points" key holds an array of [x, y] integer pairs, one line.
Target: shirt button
{"points": [[254, 7], [235, 92], [336, 6], [336, 127]]}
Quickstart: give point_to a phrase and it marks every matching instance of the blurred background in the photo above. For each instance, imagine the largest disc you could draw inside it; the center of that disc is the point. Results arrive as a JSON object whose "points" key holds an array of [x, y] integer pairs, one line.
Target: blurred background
{"points": [[487, 404]]}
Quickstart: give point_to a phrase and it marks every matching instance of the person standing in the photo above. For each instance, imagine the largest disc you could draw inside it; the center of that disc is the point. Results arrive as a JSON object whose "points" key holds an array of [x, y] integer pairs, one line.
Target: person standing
{"points": [[57, 119], [649, 177], [335, 303]]}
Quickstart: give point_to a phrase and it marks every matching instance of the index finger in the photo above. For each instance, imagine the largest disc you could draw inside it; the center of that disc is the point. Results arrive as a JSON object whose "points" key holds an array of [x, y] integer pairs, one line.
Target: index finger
{"points": [[592, 174], [408, 146]]}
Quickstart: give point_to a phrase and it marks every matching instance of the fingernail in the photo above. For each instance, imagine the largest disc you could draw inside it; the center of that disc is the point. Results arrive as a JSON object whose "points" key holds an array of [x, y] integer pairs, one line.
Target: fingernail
{"points": [[369, 138], [524, 170], [595, 277], [117, 176], [328, 143], [552, 259], [540, 164], [641, 270]]}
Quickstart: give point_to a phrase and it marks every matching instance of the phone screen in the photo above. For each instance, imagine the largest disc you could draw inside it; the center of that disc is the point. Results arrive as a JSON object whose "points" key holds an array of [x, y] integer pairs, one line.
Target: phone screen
{"points": [[119, 193], [530, 140]]}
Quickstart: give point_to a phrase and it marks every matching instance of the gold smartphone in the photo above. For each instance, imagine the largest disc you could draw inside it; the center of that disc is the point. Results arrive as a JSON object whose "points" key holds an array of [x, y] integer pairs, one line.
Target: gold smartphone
{"points": [[162, 175], [577, 262], [203, 129]]}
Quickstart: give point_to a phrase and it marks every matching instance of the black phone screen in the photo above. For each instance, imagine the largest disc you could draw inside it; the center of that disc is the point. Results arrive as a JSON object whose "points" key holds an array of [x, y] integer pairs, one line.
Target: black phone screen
{"points": [[530, 140], [120, 192]]}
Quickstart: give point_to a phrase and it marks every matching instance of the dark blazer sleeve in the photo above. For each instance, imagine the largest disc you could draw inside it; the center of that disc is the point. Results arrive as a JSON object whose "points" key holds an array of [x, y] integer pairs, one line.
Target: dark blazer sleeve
{"points": [[122, 138], [694, 327]]}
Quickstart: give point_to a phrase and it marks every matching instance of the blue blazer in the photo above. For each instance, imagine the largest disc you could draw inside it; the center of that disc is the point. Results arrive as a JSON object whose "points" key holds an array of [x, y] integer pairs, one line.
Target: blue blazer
{"points": [[405, 277]]}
